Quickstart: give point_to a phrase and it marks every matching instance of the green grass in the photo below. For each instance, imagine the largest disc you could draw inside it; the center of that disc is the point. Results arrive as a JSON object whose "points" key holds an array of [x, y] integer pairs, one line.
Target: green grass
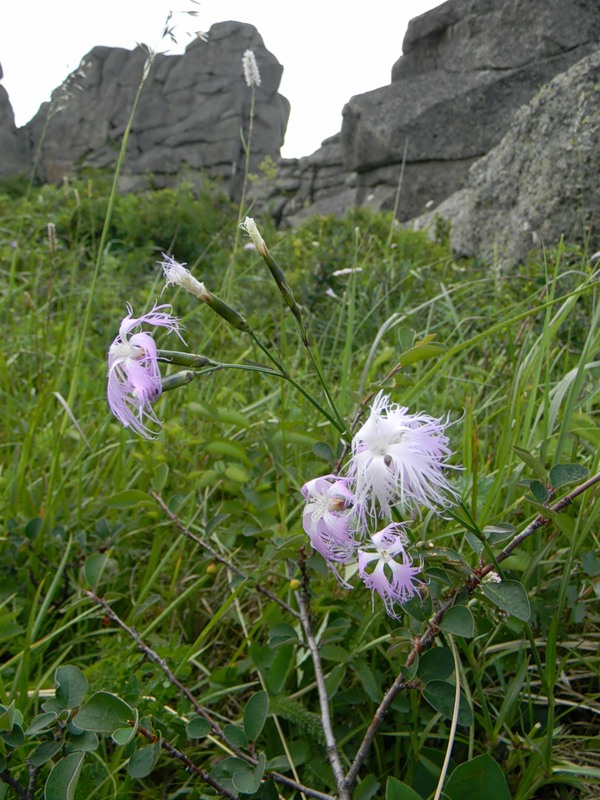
{"points": [[513, 358]]}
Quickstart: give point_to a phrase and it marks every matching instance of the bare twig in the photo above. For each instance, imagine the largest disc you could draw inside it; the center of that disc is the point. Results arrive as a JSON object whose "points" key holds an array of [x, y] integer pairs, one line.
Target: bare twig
{"points": [[277, 777], [33, 774], [426, 640], [14, 784], [187, 761], [217, 557], [330, 742]]}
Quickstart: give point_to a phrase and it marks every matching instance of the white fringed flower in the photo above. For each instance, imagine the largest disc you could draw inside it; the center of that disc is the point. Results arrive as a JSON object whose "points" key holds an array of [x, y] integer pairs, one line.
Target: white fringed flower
{"points": [[177, 275], [327, 519], [398, 460], [394, 580]]}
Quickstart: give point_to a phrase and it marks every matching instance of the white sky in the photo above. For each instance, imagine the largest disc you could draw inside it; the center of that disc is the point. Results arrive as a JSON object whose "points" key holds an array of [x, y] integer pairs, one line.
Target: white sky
{"points": [[330, 49]]}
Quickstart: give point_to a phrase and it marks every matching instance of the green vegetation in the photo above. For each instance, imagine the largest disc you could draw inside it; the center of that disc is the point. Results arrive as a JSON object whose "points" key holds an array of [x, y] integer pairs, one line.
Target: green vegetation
{"points": [[135, 662]]}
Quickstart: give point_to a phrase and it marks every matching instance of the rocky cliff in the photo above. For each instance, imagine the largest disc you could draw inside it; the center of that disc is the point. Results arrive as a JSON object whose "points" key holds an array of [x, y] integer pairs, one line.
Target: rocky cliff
{"points": [[192, 111], [15, 156], [467, 66]]}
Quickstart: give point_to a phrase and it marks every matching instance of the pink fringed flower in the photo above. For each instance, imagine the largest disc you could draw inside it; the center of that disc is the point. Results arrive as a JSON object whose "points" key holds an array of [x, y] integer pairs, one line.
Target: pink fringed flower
{"points": [[327, 518], [394, 581], [134, 381], [398, 459]]}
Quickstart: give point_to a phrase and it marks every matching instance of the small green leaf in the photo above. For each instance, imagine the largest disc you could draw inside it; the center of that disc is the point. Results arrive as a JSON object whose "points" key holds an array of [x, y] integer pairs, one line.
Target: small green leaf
{"points": [[129, 498], [499, 532], [99, 567], [396, 790], [42, 723], [227, 449], [198, 728], [143, 761], [255, 714], [440, 695], [537, 489], [234, 472], [71, 686], [590, 563], [86, 741], [481, 778], [104, 713], [62, 781], [14, 737], [323, 451], [282, 634], [563, 474], [161, 473], [44, 752], [534, 464], [245, 781], [509, 596], [123, 736], [7, 717], [459, 621], [367, 788], [235, 735], [421, 352]]}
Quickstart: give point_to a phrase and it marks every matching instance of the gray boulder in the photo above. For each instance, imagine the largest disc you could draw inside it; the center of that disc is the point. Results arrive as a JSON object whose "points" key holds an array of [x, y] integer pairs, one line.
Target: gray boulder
{"points": [[467, 67], [14, 146], [191, 112], [540, 183]]}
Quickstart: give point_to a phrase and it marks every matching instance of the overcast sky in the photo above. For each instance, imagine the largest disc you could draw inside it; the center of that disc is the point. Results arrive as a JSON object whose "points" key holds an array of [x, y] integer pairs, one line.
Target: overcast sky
{"points": [[330, 49]]}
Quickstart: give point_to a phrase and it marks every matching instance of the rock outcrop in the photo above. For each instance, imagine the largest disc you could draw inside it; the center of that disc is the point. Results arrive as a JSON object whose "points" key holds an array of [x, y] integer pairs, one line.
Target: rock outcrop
{"points": [[14, 148], [540, 182], [191, 113], [467, 66]]}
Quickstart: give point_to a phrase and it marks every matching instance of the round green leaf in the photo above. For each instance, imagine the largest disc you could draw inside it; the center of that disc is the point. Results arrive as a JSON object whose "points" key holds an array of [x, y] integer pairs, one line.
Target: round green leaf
{"points": [[62, 781], [323, 451], [71, 686], [86, 741], [123, 736], [235, 735], [509, 596], [562, 474], [143, 761], [396, 790], [440, 695], [99, 567], [255, 714], [459, 621], [435, 664], [481, 778], [15, 737], [198, 728], [245, 781], [104, 713]]}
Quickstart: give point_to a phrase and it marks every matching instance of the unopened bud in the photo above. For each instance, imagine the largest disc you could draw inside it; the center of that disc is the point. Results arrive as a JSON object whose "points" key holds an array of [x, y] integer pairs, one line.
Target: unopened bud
{"points": [[178, 379], [295, 584]]}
